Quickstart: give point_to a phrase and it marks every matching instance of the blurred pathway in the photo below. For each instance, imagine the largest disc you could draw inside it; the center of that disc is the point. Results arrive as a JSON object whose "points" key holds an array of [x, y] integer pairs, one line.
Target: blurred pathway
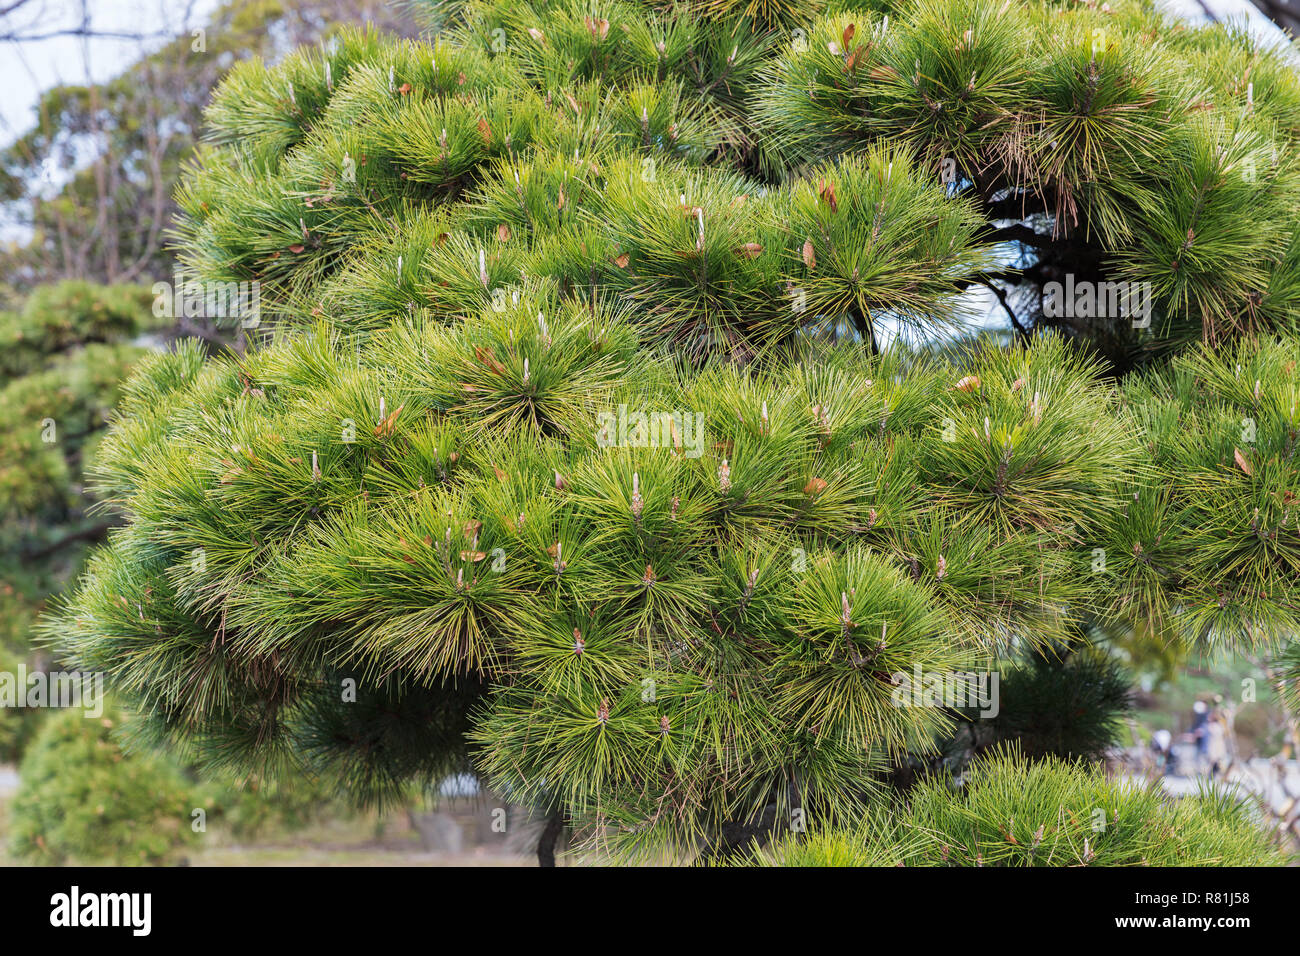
{"points": [[1259, 776]]}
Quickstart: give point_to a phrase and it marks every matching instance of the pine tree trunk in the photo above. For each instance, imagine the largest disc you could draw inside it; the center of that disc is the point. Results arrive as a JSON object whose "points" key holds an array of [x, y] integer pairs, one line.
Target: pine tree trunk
{"points": [[549, 838]]}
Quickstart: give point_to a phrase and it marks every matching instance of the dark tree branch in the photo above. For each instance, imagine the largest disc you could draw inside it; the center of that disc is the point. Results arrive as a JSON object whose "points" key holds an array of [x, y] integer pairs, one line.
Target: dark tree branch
{"points": [[1018, 232], [1006, 307], [1013, 276], [1018, 206], [94, 532]]}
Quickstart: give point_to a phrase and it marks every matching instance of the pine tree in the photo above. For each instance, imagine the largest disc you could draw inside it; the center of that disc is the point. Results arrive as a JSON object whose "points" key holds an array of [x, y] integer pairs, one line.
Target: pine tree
{"points": [[63, 353], [585, 449]]}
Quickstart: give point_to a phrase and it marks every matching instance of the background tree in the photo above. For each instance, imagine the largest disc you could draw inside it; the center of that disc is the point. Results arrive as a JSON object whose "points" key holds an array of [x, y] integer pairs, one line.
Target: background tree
{"points": [[89, 186], [64, 352]]}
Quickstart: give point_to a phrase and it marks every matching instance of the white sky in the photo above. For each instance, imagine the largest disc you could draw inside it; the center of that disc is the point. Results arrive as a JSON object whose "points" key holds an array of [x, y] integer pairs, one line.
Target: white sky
{"points": [[27, 69]]}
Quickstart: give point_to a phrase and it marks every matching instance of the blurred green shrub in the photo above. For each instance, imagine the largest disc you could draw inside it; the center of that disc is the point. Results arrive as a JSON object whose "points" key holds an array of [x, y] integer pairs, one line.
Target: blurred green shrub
{"points": [[83, 799]]}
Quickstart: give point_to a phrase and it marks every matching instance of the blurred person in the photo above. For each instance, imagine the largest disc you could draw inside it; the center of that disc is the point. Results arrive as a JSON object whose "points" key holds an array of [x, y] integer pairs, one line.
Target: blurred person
{"points": [[1216, 743], [1162, 742], [1200, 729]]}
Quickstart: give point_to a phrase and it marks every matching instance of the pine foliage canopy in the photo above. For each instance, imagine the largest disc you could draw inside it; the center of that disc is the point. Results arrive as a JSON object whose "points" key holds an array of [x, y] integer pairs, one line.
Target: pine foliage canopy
{"points": [[573, 439]]}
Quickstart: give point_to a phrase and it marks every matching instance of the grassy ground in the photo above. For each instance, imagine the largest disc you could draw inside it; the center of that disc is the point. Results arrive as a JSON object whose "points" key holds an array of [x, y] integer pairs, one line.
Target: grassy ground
{"points": [[351, 841], [361, 840], [340, 856]]}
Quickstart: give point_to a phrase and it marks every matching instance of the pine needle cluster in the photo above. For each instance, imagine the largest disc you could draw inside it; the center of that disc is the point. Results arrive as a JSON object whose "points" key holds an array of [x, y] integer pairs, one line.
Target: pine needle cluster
{"points": [[1012, 813]]}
